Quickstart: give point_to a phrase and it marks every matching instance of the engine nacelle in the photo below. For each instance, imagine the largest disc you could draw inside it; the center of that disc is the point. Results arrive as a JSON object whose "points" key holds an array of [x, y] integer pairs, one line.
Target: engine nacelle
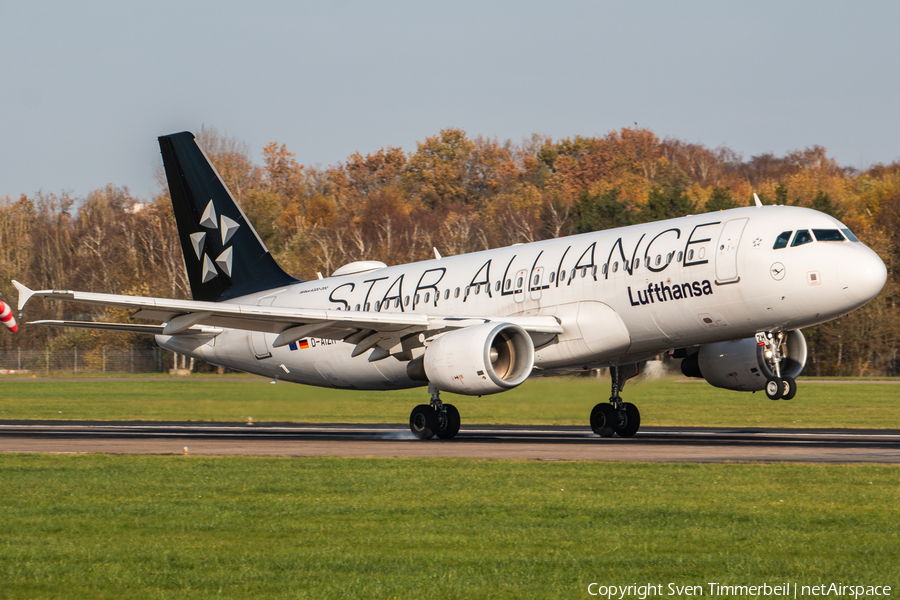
{"points": [[479, 360], [741, 364]]}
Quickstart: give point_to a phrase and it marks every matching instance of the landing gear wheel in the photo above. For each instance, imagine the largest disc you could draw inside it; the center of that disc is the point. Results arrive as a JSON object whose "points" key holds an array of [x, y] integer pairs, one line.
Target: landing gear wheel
{"points": [[448, 426], [604, 419], [774, 388], [629, 420], [423, 421], [790, 388]]}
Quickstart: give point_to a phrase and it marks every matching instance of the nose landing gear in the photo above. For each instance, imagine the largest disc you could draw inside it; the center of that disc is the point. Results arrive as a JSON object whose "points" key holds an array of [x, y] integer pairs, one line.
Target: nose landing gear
{"points": [[778, 385], [617, 417]]}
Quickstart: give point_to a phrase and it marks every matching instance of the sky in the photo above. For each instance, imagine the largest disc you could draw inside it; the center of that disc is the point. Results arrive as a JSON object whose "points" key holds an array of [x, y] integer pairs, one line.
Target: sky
{"points": [[86, 87]]}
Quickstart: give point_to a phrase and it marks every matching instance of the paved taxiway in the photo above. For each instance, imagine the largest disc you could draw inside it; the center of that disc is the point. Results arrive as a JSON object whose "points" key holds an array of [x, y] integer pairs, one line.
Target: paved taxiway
{"points": [[654, 444]]}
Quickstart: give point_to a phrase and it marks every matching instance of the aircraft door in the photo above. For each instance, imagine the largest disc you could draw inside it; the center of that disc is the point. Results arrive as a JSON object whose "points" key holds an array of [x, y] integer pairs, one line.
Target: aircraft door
{"points": [[260, 341], [536, 283], [726, 251], [519, 285]]}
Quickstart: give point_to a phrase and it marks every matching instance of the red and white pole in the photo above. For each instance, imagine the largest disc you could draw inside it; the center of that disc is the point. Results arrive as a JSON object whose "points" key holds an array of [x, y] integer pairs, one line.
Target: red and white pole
{"points": [[7, 317]]}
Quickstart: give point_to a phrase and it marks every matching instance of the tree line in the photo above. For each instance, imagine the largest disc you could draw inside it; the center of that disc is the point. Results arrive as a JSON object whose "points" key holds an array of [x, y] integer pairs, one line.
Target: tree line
{"points": [[453, 192]]}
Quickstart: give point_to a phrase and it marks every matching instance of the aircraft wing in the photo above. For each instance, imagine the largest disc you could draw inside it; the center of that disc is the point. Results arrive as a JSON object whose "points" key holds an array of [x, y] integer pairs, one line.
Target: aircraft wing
{"points": [[365, 329]]}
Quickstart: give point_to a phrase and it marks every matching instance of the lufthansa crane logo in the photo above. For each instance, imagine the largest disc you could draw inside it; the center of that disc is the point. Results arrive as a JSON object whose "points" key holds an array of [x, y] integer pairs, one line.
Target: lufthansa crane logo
{"points": [[777, 271], [227, 227]]}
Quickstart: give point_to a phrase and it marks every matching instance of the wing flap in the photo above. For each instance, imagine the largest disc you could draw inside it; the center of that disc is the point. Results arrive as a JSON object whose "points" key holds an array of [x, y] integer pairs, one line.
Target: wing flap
{"points": [[125, 327]]}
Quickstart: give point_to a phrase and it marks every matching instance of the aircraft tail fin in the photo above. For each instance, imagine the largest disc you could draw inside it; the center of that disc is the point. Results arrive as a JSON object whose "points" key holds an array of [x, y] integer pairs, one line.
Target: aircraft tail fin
{"points": [[224, 256]]}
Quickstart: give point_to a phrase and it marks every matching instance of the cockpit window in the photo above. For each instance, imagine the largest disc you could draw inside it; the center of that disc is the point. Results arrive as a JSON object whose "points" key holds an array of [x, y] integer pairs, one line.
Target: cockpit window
{"points": [[828, 235], [801, 237], [850, 235], [782, 240]]}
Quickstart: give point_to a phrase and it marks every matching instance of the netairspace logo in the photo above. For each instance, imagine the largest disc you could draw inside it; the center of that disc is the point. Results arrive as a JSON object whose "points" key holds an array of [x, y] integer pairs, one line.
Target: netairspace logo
{"points": [[718, 590]]}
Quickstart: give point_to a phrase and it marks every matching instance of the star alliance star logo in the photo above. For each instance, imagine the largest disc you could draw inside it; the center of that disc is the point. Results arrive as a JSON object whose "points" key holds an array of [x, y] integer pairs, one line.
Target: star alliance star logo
{"points": [[227, 228]]}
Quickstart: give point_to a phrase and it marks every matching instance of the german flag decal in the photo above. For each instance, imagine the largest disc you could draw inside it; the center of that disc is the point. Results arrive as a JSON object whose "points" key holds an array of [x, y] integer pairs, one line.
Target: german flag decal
{"points": [[304, 344]]}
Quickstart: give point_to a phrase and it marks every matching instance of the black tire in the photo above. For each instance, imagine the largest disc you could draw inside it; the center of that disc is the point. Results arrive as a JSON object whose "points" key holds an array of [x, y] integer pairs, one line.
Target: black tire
{"points": [[448, 427], [423, 421], [629, 421], [604, 419], [774, 388], [790, 388]]}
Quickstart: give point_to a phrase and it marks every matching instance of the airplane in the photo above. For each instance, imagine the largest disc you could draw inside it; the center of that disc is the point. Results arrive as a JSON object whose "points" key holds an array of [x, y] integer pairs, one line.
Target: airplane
{"points": [[726, 291]]}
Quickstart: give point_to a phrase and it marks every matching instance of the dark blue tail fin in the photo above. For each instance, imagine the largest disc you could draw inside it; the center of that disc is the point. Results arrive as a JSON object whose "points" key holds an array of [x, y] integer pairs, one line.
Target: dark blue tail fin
{"points": [[224, 255]]}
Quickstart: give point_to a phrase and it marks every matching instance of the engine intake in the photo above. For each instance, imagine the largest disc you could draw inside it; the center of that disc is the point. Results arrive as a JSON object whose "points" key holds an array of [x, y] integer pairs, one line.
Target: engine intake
{"points": [[741, 364], [479, 360]]}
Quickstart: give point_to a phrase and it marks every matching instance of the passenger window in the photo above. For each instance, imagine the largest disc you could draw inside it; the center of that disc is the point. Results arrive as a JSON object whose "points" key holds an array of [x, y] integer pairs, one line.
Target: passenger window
{"points": [[801, 237], [477, 289], [508, 283], [850, 235], [497, 287], [615, 266], [604, 269], [447, 294], [552, 276], [537, 278], [368, 306], [828, 235], [406, 301], [594, 271], [679, 256], [427, 295], [782, 240], [691, 254], [397, 303], [519, 283], [416, 301], [658, 259], [637, 263], [456, 293]]}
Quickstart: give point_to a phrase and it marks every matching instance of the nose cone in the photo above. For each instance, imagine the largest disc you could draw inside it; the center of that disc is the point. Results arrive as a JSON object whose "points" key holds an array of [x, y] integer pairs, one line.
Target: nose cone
{"points": [[862, 275]]}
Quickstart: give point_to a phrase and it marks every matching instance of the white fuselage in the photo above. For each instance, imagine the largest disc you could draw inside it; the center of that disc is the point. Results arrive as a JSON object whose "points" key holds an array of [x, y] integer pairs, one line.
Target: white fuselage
{"points": [[621, 295]]}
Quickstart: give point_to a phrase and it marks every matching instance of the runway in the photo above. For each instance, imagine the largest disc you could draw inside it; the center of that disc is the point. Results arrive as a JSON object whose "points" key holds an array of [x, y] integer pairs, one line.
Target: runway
{"points": [[651, 444]]}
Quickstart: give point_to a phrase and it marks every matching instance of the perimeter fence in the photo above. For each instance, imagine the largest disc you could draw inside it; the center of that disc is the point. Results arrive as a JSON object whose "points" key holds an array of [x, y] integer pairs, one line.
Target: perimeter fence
{"points": [[95, 360]]}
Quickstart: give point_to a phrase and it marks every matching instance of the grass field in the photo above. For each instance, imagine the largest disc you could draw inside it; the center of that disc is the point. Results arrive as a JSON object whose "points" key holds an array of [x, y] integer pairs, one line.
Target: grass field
{"points": [[95, 526], [561, 400]]}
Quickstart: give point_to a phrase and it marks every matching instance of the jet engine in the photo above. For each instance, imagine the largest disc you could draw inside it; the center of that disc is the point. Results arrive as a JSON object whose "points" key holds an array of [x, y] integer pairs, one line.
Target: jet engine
{"points": [[743, 365], [477, 360]]}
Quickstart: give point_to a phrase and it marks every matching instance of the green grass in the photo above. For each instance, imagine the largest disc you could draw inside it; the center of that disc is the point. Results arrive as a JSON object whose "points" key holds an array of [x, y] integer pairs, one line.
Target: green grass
{"points": [[95, 526], [561, 400]]}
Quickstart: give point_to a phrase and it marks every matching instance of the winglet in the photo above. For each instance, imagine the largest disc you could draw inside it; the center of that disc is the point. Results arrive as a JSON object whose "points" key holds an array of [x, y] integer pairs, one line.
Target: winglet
{"points": [[24, 293], [437, 254], [755, 197]]}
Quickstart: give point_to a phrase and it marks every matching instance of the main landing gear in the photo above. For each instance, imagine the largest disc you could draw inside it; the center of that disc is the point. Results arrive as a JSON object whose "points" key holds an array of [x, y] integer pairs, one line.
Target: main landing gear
{"points": [[778, 386], [435, 419], [616, 416]]}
